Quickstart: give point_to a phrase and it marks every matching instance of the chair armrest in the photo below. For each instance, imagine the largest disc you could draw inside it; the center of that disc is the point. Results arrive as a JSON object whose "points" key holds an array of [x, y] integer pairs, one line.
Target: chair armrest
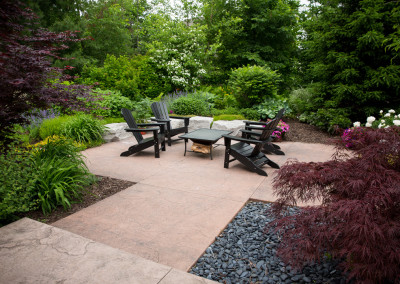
{"points": [[150, 124], [179, 117], [161, 120], [251, 141], [141, 129], [254, 127], [161, 125], [255, 122], [186, 122]]}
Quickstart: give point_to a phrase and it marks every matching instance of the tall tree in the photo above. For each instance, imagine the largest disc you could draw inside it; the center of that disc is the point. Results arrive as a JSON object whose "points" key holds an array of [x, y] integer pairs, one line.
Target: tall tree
{"points": [[350, 55], [52, 11], [256, 32]]}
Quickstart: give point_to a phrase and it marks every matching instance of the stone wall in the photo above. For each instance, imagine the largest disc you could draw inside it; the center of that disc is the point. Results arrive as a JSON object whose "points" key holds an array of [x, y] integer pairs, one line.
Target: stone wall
{"points": [[116, 131]]}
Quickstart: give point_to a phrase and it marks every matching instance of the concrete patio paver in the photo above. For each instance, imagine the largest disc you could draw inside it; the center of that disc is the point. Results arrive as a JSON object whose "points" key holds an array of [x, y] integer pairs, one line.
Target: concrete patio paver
{"points": [[178, 205], [32, 252], [168, 226]]}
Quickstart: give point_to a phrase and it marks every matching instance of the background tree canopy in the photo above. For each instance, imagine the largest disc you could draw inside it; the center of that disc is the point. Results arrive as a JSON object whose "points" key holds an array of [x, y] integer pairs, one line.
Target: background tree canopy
{"points": [[350, 57], [337, 60]]}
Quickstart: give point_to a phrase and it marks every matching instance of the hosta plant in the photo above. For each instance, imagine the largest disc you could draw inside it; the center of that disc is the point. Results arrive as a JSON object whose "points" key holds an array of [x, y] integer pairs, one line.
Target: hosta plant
{"points": [[359, 219]]}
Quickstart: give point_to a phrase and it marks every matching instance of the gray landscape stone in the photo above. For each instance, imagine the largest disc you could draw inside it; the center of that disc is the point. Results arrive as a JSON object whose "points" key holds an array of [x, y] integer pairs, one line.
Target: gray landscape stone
{"points": [[177, 123], [116, 132], [233, 125], [198, 122]]}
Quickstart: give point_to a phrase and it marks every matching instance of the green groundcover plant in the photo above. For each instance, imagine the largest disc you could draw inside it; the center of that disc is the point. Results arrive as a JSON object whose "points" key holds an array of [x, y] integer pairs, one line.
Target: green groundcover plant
{"points": [[50, 174], [17, 184]]}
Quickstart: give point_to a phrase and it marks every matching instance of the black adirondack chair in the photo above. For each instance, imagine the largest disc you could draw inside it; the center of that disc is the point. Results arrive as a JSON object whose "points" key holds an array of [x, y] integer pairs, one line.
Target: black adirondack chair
{"points": [[160, 112], [250, 156], [269, 148], [144, 143]]}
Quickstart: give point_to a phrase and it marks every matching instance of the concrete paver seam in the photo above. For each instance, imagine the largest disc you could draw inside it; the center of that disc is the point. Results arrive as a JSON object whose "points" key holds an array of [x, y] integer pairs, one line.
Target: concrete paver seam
{"points": [[169, 271]]}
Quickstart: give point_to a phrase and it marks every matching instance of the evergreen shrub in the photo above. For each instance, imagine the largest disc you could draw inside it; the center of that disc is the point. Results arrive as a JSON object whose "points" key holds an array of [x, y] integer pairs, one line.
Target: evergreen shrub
{"points": [[190, 106], [251, 85]]}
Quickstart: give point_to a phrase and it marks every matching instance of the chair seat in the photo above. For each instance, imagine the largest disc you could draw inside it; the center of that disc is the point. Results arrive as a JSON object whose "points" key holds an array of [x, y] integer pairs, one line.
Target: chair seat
{"points": [[243, 148], [248, 155]]}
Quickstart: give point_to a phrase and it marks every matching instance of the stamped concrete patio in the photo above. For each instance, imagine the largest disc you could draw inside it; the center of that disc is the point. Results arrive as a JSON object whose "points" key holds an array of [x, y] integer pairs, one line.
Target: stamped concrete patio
{"points": [[166, 220]]}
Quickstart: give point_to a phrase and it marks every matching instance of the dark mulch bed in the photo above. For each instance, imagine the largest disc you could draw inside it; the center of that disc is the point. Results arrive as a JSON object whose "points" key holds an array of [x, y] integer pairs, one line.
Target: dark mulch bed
{"points": [[104, 188], [303, 132]]}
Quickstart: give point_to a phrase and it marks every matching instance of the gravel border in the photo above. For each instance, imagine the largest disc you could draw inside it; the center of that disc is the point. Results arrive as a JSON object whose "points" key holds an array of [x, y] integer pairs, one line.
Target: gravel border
{"points": [[243, 253]]}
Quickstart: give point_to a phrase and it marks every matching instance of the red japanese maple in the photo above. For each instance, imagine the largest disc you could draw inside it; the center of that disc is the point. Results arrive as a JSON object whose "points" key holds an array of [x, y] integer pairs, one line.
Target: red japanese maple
{"points": [[26, 53], [359, 219]]}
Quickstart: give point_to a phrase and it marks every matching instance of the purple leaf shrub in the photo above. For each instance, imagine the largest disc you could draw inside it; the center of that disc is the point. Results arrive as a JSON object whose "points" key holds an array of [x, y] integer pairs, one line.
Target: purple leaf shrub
{"points": [[26, 74], [359, 219]]}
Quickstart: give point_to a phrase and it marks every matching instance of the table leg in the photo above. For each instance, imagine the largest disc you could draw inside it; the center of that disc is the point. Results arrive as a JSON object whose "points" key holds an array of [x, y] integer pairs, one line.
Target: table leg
{"points": [[185, 147], [211, 147]]}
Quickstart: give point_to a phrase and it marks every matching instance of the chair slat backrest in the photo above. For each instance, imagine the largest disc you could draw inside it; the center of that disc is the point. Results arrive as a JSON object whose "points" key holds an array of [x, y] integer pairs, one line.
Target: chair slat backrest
{"points": [[267, 132], [280, 114], [160, 110], [127, 114]]}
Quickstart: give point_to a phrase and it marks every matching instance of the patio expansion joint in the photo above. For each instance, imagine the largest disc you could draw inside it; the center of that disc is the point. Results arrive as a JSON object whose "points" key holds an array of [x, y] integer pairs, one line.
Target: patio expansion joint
{"points": [[169, 271]]}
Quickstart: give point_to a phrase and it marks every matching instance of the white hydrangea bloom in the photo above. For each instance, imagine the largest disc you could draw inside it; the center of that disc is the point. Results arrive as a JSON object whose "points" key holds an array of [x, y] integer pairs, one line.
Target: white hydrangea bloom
{"points": [[383, 121], [368, 124], [381, 112], [391, 111], [396, 122], [380, 126], [357, 124], [387, 115], [371, 119]]}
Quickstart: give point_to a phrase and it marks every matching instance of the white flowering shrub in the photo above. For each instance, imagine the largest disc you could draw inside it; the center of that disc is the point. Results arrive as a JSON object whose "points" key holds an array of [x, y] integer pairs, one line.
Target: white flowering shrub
{"points": [[386, 120], [179, 55]]}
